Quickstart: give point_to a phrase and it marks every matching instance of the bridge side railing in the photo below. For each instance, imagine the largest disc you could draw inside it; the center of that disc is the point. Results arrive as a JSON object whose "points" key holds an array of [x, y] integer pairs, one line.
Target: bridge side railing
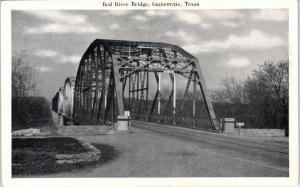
{"points": [[187, 122]]}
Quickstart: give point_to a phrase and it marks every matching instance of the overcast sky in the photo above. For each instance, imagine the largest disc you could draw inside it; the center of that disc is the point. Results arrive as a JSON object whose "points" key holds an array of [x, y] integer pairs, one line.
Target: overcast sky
{"points": [[226, 42]]}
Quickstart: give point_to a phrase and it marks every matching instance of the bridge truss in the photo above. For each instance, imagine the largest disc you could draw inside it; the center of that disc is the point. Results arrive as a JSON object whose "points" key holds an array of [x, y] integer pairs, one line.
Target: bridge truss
{"points": [[115, 76]]}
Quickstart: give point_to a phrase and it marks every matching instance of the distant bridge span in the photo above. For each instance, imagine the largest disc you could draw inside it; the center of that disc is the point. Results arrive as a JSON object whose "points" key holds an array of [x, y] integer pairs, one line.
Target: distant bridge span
{"points": [[116, 76]]}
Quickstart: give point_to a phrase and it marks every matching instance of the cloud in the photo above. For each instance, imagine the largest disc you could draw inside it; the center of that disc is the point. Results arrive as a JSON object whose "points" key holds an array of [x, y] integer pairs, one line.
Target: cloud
{"points": [[228, 18], [57, 57], [45, 53], [192, 18], [193, 48], [57, 16], [60, 28], [57, 21], [74, 59], [206, 25], [159, 13], [221, 14], [114, 26], [231, 24], [142, 27], [44, 68], [189, 17], [180, 35], [255, 40], [119, 12], [196, 16], [271, 15], [139, 18], [238, 62]]}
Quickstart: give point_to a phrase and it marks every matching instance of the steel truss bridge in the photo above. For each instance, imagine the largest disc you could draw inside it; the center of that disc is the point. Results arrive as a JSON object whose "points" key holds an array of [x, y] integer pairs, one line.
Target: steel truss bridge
{"points": [[115, 76]]}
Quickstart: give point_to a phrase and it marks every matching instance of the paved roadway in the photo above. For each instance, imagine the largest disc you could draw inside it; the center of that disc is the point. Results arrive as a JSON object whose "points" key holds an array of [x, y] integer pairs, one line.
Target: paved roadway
{"points": [[153, 151]]}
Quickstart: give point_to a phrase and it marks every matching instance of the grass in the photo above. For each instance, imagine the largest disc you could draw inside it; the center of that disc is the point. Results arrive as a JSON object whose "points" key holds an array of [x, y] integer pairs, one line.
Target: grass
{"points": [[39, 159], [55, 145]]}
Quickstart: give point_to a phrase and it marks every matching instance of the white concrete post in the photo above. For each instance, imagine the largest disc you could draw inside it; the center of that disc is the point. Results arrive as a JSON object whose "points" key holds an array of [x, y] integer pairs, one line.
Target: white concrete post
{"points": [[174, 98], [159, 95], [174, 94]]}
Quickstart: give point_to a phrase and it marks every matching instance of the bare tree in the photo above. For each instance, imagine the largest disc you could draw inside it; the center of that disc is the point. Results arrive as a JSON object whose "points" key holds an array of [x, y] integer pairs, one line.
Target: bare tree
{"points": [[270, 80], [269, 86], [231, 91], [24, 77]]}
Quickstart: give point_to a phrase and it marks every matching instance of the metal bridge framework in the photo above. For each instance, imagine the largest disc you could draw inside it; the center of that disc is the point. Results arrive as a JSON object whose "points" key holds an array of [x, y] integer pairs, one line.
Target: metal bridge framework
{"points": [[111, 69]]}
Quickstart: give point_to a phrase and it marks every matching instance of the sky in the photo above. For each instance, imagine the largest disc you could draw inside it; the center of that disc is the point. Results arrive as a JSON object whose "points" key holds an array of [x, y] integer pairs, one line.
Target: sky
{"points": [[229, 42]]}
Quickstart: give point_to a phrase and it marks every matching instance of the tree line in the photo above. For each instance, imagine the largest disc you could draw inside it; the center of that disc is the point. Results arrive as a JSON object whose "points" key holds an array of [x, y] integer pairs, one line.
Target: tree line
{"points": [[265, 93], [28, 109]]}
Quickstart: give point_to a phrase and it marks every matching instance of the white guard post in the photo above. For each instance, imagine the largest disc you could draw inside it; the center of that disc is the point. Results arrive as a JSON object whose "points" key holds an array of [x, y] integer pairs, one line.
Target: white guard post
{"points": [[229, 125], [240, 125], [127, 114], [123, 122]]}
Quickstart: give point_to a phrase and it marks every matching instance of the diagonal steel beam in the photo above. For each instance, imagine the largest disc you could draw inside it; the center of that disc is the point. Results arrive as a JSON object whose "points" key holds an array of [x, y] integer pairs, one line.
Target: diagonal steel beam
{"points": [[203, 88], [156, 94]]}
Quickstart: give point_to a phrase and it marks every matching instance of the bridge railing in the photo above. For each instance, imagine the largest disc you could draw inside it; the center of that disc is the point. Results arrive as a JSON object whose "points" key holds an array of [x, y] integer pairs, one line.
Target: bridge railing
{"points": [[188, 122]]}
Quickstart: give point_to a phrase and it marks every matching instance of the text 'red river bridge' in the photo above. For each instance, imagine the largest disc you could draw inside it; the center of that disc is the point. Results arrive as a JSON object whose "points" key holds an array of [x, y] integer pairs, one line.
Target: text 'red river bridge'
{"points": [[115, 76]]}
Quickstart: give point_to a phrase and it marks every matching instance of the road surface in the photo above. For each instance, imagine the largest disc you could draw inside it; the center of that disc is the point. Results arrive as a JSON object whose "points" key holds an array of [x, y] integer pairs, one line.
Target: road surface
{"points": [[151, 151]]}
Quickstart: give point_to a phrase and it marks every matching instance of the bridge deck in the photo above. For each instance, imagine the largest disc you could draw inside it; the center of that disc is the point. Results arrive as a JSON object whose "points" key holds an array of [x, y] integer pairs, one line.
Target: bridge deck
{"points": [[177, 152]]}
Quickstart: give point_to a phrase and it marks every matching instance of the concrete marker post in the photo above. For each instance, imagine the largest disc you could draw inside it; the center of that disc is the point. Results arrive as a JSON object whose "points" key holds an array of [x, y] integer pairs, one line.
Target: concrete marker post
{"points": [[240, 124]]}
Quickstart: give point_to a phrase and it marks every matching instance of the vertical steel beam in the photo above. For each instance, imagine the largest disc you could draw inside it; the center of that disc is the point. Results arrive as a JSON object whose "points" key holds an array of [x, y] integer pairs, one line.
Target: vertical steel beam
{"points": [[129, 92], [194, 99], [118, 86], [159, 84], [112, 107], [109, 96], [100, 70], [174, 88], [99, 108], [133, 93], [103, 95], [170, 97], [137, 94], [80, 96], [159, 93], [123, 87], [147, 95], [142, 87], [174, 98], [87, 91], [96, 69], [185, 93], [90, 102]]}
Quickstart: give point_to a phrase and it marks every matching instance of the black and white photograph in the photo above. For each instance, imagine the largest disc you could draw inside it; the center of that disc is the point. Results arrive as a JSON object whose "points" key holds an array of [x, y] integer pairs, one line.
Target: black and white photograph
{"points": [[149, 90]]}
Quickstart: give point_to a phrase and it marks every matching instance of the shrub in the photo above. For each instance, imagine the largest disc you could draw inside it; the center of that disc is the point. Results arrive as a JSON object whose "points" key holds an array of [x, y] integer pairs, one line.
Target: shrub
{"points": [[30, 112]]}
